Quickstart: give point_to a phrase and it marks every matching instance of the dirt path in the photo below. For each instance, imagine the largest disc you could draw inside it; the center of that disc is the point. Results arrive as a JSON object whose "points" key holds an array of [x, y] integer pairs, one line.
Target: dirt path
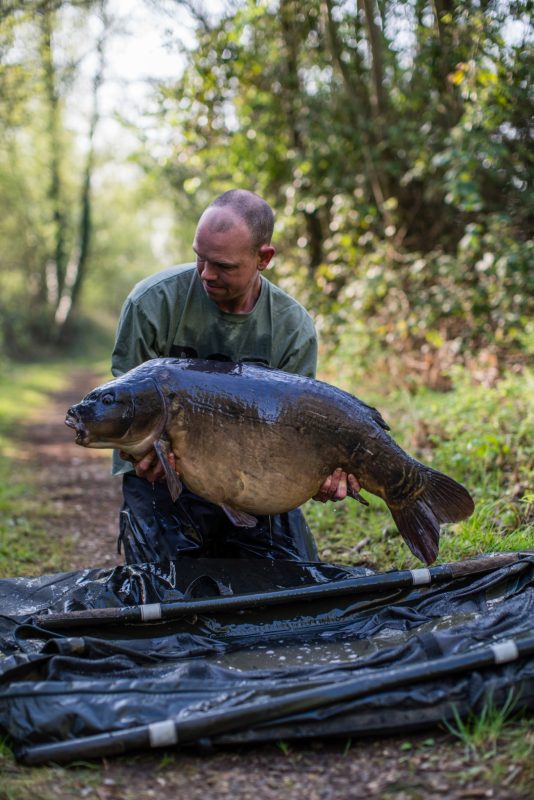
{"points": [[76, 483], [85, 503]]}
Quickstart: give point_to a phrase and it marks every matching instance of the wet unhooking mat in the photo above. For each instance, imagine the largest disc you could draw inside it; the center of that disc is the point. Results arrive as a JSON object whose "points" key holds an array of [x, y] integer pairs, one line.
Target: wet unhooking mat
{"points": [[102, 661]]}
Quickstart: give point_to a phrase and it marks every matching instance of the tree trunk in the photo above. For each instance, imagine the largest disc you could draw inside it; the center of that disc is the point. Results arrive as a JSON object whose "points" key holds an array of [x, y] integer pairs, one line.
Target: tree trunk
{"points": [[447, 61], [55, 269], [291, 38], [376, 49], [76, 270], [361, 110]]}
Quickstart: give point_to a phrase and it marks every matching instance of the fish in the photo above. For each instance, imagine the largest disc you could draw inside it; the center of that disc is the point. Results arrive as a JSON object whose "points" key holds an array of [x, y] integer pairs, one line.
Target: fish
{"points": [[261, 441]]}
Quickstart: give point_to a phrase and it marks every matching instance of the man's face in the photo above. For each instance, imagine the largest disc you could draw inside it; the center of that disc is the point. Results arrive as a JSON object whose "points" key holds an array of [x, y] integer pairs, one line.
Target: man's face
{"points": [[227, 263]]}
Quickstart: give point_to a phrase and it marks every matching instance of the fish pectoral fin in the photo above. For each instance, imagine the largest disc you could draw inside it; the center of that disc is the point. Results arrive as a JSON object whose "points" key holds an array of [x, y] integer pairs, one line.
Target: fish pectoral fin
{"points": [[127, 457], [173, 481], [239, 518]]}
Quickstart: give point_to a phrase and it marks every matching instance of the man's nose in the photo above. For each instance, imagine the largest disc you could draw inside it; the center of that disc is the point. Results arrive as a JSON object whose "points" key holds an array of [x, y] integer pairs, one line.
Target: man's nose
{"points": [[208, 271]]}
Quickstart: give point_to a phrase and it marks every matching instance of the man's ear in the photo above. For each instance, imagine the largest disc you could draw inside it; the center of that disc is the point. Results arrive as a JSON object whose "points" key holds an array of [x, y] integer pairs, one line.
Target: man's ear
{"points": [[265, 254]]}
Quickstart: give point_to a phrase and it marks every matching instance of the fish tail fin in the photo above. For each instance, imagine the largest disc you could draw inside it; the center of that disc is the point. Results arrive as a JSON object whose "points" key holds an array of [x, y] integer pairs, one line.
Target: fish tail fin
{"points": [[442, 500]]}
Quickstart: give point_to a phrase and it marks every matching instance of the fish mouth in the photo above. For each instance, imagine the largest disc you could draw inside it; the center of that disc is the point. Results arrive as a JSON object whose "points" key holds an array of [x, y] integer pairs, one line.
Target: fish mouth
{"points": [[82, 435]]}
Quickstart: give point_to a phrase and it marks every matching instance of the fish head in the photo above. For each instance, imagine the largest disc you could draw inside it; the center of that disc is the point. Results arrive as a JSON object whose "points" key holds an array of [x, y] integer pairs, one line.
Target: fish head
{"points": [[128, 413]]}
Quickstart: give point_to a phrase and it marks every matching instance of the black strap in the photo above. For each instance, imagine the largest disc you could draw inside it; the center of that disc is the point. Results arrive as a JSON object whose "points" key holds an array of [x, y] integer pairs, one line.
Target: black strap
{"points": [[207, 586]]}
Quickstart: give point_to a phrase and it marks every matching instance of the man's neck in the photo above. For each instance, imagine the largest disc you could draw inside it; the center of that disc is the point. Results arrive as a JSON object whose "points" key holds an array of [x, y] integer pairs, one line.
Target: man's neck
{"points": [[242, 305]]}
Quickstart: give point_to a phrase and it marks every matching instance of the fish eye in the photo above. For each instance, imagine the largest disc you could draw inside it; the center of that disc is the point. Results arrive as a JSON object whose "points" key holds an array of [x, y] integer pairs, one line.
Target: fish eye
{"points": [[107, 399]]}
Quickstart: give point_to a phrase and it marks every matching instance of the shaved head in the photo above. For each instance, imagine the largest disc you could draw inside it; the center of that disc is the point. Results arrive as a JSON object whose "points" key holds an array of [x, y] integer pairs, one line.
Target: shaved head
{"points": [[249, 207], [233, 246]]}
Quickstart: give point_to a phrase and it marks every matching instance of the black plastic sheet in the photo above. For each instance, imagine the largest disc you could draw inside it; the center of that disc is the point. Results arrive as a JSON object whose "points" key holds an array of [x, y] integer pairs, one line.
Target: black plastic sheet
{"points": [[334, 651]]}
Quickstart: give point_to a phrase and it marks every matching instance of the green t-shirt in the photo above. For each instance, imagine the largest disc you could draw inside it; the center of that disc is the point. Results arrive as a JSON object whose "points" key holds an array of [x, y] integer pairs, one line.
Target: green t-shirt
{"points": [[169, 314]]}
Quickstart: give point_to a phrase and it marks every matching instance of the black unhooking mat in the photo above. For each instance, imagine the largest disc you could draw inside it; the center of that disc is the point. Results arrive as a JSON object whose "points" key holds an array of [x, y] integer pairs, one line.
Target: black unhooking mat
{"points": [[101, 661]]}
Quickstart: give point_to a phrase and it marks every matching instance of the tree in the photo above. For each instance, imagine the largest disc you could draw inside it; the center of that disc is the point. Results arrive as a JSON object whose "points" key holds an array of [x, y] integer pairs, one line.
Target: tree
{"points": [[46, 198], [392, 140]]}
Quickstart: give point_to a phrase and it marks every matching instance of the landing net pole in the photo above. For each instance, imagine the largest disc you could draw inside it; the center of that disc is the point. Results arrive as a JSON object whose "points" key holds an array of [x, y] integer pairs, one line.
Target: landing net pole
{"points": [[170, 732], [159, 612]]}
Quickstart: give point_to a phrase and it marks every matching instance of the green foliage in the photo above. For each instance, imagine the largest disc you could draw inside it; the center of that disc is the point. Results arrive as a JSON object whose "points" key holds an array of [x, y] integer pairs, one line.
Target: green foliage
{"points": [[442, 308], [37, 198], [121, 253], [24, 545], [5, 749], [396, 157], [479, 435], [24, 391], [480, 731], [65, 226], [392, 140]]}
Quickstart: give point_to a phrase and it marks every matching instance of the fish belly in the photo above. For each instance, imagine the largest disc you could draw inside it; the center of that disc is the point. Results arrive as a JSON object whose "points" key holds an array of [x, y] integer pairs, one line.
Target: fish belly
{"points": [[260, 469]]}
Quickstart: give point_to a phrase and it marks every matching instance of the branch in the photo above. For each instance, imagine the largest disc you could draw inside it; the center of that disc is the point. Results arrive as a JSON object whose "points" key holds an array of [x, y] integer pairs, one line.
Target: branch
{"points": [[195, 8], [356, 89], [53, 134], [376, 46], [360, 110]]}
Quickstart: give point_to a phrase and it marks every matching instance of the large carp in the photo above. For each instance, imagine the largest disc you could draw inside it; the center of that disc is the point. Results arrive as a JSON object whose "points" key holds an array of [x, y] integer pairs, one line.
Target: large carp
{"points": [[260, 441]]}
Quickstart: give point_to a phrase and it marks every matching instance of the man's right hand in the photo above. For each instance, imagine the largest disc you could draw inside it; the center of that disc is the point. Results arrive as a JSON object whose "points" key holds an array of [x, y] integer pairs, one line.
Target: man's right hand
{"points": [[150, 467], [337, 486]]}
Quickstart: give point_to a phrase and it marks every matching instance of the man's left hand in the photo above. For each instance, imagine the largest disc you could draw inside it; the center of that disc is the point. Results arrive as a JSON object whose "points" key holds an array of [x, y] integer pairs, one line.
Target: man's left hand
{"points": [[336, 486]]}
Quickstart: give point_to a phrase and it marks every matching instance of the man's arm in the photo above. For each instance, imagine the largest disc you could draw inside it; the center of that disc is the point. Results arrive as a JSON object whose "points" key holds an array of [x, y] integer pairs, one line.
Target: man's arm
{"points": [[135, 343], [300, 346]]}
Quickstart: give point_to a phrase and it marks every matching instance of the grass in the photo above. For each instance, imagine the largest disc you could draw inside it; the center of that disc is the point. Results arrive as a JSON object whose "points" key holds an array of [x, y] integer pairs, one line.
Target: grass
{"points": [[498, 740], [482, 437], [479, 435], [25, 388], [481, 732], [25, 547], [492, 757]]}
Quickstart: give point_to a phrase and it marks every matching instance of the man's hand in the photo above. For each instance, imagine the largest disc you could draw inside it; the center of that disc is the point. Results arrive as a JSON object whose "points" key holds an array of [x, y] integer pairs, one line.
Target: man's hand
{"points": [[150, 467], [336, 487]]}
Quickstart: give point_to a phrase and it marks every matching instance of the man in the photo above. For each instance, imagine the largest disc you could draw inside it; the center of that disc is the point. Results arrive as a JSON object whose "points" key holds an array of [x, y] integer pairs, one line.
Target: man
{"points": [[220, 308]]}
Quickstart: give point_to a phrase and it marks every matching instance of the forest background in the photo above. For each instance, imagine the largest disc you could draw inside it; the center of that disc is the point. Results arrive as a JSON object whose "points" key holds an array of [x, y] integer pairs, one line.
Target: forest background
{"points": [[393, 140]]}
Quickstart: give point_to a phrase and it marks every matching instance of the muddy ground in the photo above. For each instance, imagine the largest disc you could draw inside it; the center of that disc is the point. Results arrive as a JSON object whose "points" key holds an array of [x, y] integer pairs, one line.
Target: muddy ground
{"points": [[84, 502]]}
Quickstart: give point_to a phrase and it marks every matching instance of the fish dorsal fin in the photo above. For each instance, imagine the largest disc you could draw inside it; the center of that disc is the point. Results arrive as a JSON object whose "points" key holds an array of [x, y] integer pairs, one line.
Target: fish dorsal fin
{"points": [[161, 446], [378, 418], [239, 518]]}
